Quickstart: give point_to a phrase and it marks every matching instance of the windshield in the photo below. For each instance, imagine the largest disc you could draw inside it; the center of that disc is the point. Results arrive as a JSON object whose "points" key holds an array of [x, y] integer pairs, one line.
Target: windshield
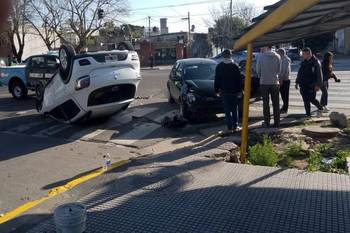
{"points": [[200, 72]]}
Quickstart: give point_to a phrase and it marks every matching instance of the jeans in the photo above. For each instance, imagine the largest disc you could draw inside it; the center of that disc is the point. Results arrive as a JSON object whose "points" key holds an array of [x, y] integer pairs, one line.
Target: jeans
{"points": [[309, 97], [230, 105], [266, 91], [324, 97], [284, 89]]}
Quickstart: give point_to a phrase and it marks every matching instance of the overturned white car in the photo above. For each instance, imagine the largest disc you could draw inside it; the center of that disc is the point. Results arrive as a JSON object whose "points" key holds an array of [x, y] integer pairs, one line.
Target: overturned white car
{"points": [[90, 85]]}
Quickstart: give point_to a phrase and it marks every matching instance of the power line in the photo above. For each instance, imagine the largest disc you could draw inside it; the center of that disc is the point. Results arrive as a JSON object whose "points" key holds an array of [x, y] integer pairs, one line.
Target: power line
{"points": [[184, 4]]}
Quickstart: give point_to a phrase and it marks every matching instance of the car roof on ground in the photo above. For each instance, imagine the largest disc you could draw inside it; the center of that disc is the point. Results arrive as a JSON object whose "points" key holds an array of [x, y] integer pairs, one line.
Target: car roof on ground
{"points": [[194, 61]]}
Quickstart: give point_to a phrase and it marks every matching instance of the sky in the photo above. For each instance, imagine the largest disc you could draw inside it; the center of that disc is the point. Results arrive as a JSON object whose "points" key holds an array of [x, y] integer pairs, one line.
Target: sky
{"points": [[199, 12]]}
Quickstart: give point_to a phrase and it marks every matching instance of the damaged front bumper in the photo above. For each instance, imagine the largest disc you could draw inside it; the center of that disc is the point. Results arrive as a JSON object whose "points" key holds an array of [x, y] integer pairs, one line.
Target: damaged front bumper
{"points": [[199, 104]]}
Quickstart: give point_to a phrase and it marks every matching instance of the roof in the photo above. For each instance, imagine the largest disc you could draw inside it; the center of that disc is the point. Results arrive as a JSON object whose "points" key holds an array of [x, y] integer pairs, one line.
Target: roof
{"points": [[322, 17], [193, 61]]}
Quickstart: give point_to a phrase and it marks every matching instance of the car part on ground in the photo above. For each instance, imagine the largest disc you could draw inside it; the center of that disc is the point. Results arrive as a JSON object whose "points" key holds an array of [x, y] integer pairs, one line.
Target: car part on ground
{"points": [[90, 85]]}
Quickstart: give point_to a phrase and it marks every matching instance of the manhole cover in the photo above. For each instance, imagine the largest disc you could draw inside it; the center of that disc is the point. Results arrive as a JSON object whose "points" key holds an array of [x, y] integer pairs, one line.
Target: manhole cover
{"points": [[154, 180]]}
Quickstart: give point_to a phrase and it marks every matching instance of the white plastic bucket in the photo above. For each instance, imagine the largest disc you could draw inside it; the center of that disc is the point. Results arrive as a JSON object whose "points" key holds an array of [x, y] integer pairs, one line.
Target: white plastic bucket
{"points": [[70, 218]]}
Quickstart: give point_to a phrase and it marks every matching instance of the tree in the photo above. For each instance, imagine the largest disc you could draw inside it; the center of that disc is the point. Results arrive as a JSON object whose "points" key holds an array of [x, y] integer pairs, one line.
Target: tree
{"points": [[75, 21], [318, 43], [227, 23], [15, 31], [45, 21], [225, 30]]}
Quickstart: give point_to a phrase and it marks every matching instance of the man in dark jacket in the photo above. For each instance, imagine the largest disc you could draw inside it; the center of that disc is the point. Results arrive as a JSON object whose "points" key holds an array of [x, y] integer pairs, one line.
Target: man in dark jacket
{"points": [[228, 85], [309, 80]]}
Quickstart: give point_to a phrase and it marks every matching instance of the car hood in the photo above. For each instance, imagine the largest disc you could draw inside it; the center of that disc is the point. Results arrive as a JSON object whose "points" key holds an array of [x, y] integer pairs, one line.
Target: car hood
{"points": [[202, 87]]}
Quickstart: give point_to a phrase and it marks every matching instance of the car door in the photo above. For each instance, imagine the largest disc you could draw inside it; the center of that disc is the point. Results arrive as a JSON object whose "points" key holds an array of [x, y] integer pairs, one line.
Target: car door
{"points": [[177, 81], [36, 68], [52, 64], [171, 79]]}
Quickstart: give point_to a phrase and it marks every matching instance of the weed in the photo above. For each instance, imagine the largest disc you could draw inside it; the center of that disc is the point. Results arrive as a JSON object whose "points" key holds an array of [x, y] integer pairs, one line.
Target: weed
{"points": [[296, 149], [340, 161], [324, 148], [289, 162], [314, 162], [263, 154]]}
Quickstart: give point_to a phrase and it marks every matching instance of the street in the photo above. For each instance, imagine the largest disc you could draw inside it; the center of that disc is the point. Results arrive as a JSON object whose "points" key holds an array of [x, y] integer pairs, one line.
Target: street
{"points": [[38, 154]]}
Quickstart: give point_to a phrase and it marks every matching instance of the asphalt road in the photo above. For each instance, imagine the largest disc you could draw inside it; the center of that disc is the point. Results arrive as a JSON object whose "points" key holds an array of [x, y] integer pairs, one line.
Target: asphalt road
{"points": [[38, 154]]}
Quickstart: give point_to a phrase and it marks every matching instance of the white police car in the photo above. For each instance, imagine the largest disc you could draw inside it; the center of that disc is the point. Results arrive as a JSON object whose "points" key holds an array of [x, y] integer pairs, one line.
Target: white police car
{"points": [[90, 85]]}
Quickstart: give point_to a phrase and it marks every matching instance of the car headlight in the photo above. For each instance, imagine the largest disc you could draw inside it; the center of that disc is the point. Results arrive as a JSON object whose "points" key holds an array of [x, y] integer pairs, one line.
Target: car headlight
{"points": [[82, 82], [191, 98]]}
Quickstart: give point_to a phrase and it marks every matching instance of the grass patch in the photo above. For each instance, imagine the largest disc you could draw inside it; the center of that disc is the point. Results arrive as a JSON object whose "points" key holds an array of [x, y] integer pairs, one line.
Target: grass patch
{"points": [[263, 154], [296, 149]]}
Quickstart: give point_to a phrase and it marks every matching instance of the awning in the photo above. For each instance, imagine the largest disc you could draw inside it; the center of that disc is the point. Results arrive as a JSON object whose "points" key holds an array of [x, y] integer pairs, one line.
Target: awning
{"points": [[322, 17]]}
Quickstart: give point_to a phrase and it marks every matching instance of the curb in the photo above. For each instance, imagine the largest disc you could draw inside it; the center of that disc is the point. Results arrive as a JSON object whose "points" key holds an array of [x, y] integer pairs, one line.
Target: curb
{"points": [[58, 190]]}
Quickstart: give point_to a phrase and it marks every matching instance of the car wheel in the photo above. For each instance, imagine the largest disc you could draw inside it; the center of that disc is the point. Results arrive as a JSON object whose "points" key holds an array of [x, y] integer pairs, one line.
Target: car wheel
{"points": [[66, 53], [39, 105], [19, 91], [170, 98], [242, 63], [39, 91], [184, 110], [125, 45]]}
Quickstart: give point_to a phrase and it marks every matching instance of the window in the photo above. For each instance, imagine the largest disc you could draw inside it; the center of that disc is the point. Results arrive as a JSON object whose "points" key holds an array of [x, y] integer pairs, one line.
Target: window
{"points": [[52, 62], [173, 71], [165, 54], [200, 72], [37, 62], [179, 70]]}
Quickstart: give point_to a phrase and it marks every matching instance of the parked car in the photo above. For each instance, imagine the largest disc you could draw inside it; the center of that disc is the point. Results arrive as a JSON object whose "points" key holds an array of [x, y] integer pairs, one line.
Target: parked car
{"points": [[293, 54], [191, 85], [19, 79], [90, 85], [239, 57]]}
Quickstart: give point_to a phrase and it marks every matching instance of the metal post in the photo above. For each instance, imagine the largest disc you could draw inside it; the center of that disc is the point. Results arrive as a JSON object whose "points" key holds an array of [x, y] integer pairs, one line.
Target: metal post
{"points": [[149, 34], [189, 36], [247, 84]]}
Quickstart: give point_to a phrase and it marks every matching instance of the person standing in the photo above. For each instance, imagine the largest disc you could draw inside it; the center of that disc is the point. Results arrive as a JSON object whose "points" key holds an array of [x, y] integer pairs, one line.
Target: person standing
{"points": [[14, 61], [9, 60], [284, 78], [151, 61], [309, 79], [268, 67], [327, 72], [228, 85]]}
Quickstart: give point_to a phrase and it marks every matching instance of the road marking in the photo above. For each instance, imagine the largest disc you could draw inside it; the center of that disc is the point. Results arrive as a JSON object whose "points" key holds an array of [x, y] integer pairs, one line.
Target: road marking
{"points": [[141, 131], [22, 128], [58, 190], [53, 130], [118, 120]]}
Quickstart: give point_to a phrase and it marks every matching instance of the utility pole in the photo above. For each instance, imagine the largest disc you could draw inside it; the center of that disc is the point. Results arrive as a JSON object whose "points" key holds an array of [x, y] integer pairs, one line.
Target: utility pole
{"points": [[231, 9], [189, 35], [149, 35]]}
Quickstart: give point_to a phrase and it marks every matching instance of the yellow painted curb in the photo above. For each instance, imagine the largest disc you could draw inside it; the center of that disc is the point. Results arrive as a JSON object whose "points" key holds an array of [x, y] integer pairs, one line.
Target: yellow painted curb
{"points": [[55, 191]]}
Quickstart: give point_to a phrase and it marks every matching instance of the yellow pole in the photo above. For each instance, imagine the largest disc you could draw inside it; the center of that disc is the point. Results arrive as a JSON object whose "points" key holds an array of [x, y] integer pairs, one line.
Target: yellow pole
{"points": [[246, 101]]}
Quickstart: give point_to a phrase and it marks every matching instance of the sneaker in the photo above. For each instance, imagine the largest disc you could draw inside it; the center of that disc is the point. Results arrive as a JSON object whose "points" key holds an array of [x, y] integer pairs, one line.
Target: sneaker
{"points": [[237, 129], [319, 113], [264, 125], [326, 109], [283, 111]]}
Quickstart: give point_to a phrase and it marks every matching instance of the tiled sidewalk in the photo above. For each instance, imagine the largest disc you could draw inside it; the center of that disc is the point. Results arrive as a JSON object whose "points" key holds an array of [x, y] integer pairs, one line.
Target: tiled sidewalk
{"points": [[187, 191]]}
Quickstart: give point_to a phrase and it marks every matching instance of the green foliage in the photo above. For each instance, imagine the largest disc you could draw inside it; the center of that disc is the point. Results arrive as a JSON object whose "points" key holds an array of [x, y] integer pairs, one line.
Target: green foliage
{"points": [[296, 149], [225, 30], [289, 161], [338, 165], [324, 149], [263, 154], [318, 43]]}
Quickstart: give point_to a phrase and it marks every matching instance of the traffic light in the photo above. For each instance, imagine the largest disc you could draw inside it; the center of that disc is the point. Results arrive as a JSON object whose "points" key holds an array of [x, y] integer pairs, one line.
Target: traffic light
{"points": [[100, 14]]}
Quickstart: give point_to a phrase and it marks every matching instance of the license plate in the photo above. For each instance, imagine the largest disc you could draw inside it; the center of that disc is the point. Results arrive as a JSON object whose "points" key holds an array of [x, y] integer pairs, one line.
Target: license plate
{"points": [[112, 58]]}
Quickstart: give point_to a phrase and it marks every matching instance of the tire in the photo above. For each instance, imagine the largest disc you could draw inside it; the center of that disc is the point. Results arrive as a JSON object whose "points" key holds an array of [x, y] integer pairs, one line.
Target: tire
{"points": [[125, 45], [66, 53], [242, 63], [39, 91], [184, 113], [170, 98], [39, 105], [19, 91]]}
